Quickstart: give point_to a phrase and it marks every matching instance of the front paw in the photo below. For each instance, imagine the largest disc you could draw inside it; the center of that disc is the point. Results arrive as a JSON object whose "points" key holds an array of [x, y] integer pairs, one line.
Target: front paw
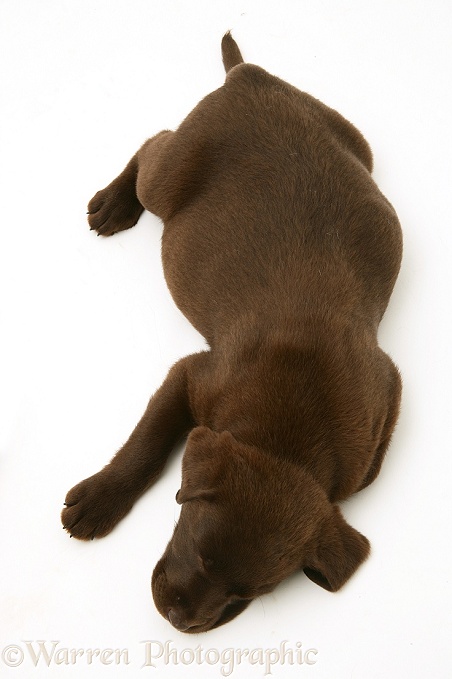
{"points": [[94, 506], [113, 209]]}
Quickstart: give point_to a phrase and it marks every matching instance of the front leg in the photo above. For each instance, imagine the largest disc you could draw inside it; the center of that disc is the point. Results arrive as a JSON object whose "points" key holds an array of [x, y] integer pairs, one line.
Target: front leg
{"points": [[394, 396], [97, 504]]}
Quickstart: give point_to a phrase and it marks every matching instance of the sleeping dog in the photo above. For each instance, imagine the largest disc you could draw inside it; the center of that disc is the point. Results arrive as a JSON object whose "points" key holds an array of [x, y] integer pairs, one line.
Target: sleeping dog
{"points": [[280, 249]]}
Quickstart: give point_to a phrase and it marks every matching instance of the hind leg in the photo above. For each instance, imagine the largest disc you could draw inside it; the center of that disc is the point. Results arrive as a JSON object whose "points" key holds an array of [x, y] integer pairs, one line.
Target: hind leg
{"points": [[117, 207]]}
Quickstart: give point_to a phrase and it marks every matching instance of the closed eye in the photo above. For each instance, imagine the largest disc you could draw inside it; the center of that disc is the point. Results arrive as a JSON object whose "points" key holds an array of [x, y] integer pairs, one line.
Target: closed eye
{"points": [[240, 594], [249, 593]]}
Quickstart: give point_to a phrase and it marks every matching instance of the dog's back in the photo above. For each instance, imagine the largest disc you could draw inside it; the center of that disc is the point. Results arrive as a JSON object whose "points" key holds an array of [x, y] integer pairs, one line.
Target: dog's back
{"points": [[267, 196]]}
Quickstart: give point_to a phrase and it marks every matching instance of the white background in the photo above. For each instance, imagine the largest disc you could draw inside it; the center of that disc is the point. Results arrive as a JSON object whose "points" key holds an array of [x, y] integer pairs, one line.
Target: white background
{"points": [[89, 330]]}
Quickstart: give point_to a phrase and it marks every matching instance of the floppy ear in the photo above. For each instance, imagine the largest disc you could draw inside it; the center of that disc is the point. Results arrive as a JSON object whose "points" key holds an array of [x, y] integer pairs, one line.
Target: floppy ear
{"points": [[339, 551], [202, 465]]}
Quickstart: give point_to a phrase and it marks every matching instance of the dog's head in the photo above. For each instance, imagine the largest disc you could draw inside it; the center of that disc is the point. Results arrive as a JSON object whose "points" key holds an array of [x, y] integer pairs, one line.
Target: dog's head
{"points": [[247, 522]]}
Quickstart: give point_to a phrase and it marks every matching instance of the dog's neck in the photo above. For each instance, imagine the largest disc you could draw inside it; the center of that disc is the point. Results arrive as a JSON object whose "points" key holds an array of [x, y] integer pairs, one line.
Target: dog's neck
{"points": [[286, 393]]}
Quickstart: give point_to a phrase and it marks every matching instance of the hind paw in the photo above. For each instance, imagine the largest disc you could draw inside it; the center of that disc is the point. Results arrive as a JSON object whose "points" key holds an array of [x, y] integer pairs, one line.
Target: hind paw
{"points": [[113, 209]]}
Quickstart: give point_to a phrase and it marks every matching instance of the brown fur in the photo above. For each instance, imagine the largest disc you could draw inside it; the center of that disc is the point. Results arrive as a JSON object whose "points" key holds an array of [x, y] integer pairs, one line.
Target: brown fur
{"points": [[280, 249]]}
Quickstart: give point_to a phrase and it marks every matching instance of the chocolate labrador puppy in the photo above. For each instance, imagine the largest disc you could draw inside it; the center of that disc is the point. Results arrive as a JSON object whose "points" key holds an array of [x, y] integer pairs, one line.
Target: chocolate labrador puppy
{"points": [[280, 249]]}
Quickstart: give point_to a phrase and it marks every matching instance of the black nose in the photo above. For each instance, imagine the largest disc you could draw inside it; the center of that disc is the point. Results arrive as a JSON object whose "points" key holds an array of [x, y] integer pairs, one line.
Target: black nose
{"points": [[176, 620]]}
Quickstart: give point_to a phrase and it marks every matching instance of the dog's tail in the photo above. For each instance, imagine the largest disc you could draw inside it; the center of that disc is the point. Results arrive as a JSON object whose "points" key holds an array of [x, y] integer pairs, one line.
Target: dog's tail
{"points": [[230, 52]]}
